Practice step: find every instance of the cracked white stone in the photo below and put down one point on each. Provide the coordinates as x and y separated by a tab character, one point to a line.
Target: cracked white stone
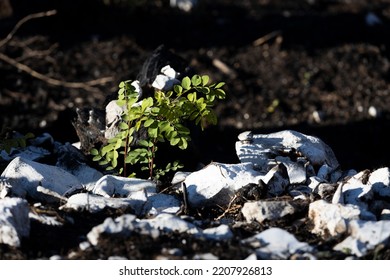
267	210
22	177
276	243
217	182
364	236
95	203
110	185
260	149
126	224
14	221
332	219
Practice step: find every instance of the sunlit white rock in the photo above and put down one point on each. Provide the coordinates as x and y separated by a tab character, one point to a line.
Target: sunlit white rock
110	185
95	203
355	191
276	243
161	203
167	79
221	232
122	225
267	210
364	236
380	181
277	180
126	224
217	182
22	177
260	149
332	219
14	221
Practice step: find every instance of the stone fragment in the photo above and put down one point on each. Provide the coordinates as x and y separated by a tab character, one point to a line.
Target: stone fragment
110	185
276	243
217	182
364	236
22	177
332	219
95	203
73	161
161	203
14	221
260	149
380	181
221	232
122	225
267	210
276	180
126	224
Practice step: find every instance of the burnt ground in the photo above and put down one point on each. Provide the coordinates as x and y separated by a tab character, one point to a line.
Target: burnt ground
313	66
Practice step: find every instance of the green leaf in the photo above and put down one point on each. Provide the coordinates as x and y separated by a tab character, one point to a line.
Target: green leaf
143	143
219	85
123	126
174	141
178	89
153	132
183	143
96	158
205	80
94	152
186	83
146	103
196	80
148	122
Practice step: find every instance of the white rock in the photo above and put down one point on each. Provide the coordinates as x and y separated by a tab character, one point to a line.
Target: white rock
72	160
110	185
161	203
385	214
266	210
296	170
217	182
380	181
205	256
332	219
29	152
123	225
277	180
185	5
364	236
167	223
126	224
95	203
221	232
167	79
261	148
354	191
14	221
22	177
276	243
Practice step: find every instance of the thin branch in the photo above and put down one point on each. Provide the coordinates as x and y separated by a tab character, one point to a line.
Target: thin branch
23	21
81	85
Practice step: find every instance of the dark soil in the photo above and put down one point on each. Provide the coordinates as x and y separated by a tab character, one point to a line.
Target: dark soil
319	72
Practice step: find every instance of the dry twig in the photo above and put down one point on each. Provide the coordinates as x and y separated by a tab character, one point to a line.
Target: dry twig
89	85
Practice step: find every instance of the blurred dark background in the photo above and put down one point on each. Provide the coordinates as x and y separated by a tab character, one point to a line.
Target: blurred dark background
319	67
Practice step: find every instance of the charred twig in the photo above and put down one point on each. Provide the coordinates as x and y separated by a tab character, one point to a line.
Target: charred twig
88	85
83	85
23	21
260	41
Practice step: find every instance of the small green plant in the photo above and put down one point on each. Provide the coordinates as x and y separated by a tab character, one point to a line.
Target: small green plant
9	140
161	118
